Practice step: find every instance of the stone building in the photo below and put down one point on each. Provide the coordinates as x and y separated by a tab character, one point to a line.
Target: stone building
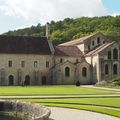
34	61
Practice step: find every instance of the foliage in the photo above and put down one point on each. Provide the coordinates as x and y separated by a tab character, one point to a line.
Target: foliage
68	29
116	81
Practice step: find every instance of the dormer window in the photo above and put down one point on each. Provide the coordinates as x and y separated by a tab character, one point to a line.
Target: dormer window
98	40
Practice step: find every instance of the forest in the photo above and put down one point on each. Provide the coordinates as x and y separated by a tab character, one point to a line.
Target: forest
70	29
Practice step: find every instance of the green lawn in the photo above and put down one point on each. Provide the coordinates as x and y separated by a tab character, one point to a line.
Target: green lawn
84	104
110	102
91	103
52	90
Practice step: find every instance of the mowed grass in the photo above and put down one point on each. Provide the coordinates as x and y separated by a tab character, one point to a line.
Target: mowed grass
52	90
100	105
92	103
108	102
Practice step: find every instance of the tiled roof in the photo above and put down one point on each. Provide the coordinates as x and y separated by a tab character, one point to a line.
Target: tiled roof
77	41
99	49
24	45
72	51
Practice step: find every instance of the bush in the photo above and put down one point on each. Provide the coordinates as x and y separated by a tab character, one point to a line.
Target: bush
116	82
77	83
101	83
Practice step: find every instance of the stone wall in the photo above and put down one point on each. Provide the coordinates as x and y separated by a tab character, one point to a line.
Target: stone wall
33	110
19	72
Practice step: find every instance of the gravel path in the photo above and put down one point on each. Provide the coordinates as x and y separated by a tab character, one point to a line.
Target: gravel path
72	114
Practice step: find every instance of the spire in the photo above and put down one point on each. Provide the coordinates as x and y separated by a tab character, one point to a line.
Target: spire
47	30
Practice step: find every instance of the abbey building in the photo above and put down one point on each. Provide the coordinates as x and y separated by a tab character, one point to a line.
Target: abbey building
34	61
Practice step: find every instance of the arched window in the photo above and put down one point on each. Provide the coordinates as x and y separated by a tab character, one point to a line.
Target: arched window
84	71
115	54
109	55
115	71
106	69
67	71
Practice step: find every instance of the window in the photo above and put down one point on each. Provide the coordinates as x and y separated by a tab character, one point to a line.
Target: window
10	63
88	47
98	40
109	55
115	54
67	72
47	64
115	69
93	43
61	60
106	69
22	63
84	71
35	64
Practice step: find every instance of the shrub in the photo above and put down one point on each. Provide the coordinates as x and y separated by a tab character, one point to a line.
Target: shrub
78	83
102	83
116	81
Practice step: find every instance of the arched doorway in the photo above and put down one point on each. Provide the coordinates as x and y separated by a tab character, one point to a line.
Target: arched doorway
11	80
27	80
44	80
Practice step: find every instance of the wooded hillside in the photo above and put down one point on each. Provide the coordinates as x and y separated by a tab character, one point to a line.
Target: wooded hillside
70	29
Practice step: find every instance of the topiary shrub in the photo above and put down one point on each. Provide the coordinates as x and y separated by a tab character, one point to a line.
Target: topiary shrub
78	83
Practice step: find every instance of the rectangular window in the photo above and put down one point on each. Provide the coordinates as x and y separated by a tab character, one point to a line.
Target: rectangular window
98	40
47	64
93	43
10	63
35	64
22	63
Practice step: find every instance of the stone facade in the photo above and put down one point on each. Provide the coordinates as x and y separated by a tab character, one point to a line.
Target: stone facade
89	60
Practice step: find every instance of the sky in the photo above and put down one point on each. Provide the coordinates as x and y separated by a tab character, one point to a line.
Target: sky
17	14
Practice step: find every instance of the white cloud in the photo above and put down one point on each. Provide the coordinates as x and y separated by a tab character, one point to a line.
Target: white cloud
115	14
47	10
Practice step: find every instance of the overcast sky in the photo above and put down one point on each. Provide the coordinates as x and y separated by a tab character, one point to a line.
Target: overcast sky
16	14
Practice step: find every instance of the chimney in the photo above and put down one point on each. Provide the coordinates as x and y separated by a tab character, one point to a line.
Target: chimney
48	37
47	31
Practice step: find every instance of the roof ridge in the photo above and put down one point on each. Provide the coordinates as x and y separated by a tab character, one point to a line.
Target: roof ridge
78	40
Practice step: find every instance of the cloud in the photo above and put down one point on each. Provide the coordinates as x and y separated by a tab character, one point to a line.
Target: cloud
115	14
47	10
